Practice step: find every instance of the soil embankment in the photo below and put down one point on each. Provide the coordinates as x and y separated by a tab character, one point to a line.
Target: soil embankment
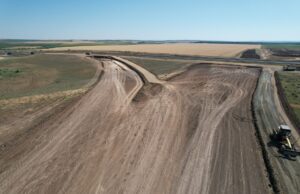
250	54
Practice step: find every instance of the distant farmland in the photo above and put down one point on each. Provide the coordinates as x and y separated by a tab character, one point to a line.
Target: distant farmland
290	46
224	50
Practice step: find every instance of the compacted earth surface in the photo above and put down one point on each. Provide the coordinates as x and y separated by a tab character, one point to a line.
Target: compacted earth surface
270	115
190	134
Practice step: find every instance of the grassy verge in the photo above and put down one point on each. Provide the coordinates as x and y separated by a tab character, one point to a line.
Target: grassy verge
297	111
43	74
158	66
290	82
9	72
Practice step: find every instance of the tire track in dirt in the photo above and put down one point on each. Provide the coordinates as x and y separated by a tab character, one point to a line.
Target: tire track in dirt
179	137
219	154
270	115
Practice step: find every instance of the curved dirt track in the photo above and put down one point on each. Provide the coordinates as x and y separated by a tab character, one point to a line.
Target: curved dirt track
193	134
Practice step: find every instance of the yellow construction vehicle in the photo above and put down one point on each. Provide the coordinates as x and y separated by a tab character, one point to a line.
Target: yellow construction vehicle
281	137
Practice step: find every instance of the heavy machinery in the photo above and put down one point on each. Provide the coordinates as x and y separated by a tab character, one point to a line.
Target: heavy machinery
281	137
289	68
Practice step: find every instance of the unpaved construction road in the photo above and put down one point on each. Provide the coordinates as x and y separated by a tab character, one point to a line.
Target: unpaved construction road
270	115
191	134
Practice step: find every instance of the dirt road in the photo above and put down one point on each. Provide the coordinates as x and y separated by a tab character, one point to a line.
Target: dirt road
192	134
269	115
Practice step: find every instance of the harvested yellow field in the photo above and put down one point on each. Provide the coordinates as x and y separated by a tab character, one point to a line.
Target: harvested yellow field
224	50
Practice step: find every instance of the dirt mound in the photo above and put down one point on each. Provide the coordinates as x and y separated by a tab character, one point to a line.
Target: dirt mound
250	54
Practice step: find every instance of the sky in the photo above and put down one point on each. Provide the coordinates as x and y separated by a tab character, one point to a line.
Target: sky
226	20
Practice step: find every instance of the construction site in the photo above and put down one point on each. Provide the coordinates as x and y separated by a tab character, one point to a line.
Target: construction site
149	97
205	128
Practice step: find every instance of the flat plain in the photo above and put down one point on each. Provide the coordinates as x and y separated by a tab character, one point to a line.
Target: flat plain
203	49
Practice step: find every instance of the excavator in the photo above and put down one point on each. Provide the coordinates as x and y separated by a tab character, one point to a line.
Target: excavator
281	137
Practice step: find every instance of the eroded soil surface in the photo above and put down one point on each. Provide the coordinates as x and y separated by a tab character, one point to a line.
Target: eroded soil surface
191	134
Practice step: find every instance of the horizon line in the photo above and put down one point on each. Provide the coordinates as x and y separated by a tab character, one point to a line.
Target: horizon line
158	40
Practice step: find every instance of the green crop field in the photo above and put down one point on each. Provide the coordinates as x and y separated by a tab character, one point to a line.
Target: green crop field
36	44
42	74
9	45
8	72
294	46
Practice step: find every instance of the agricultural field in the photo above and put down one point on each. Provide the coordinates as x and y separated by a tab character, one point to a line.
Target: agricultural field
291	84
282	51
44	44
294	46
200	49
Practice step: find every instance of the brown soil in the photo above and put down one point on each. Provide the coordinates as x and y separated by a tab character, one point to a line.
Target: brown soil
192	134
270	114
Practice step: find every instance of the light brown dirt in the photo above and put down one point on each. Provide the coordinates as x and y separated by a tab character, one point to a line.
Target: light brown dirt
17	115
270	114
224	50
193	134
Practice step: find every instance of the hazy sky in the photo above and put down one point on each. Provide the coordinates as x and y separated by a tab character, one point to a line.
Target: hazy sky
237	20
